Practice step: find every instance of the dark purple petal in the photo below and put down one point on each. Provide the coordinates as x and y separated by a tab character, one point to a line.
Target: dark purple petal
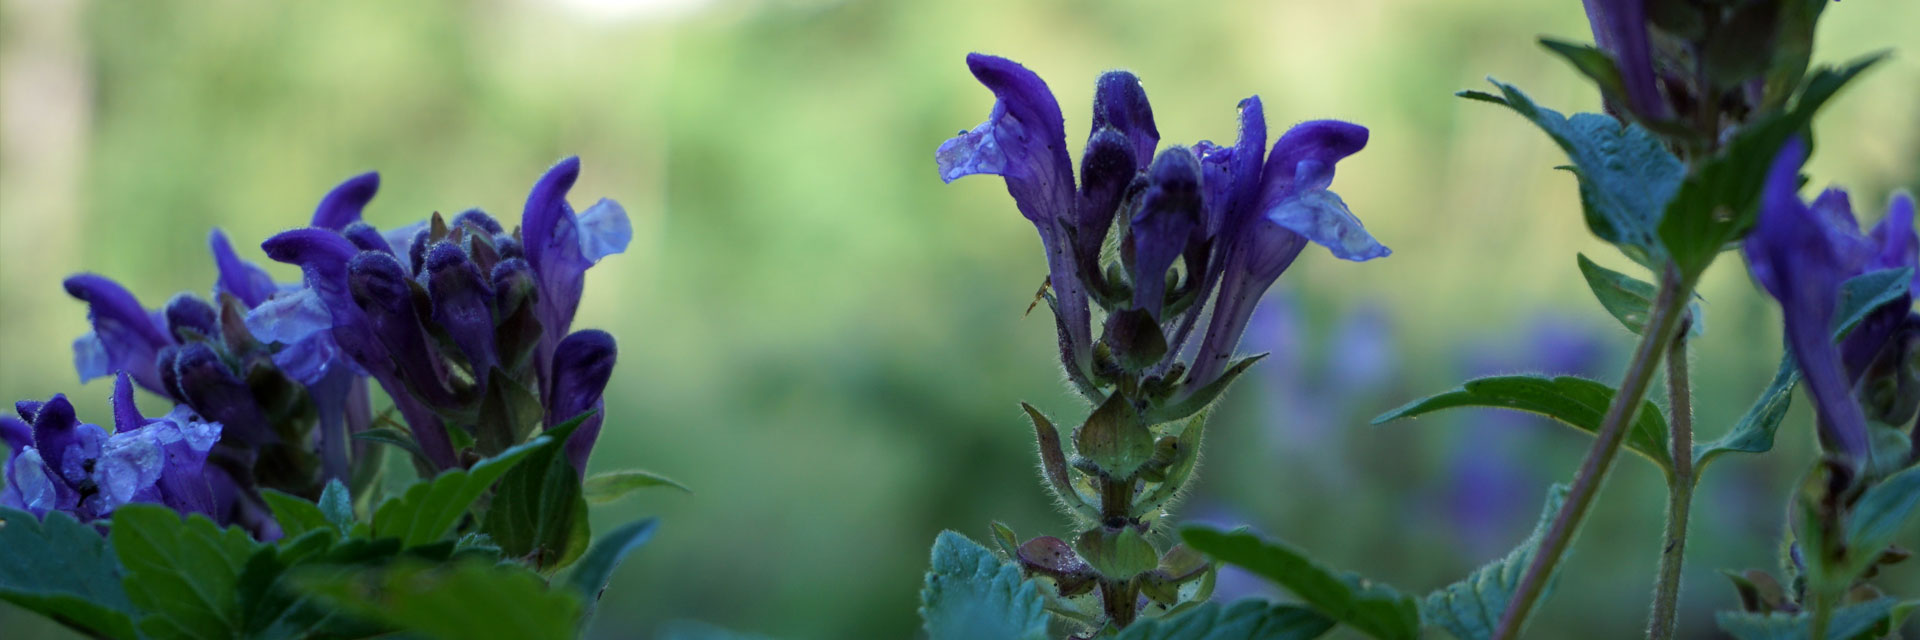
126	416
547	214
581	367
381	290
1120	103
1024	140
1893	239
552	237
366	238
323	256
215	392
1106	168
1793	253
15	433
1620	29
127	331
1170	211
64	442
478	220
240	278
342	205
1294	191
1232	174
462	305
189	318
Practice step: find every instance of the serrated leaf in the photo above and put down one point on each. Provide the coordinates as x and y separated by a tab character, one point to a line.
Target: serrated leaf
1626	175
1246	619
428	510
538	512
63	570
1718	202
1471	608
1859	297
183	573
595	569
1848	623
1370	607
1576	402
1629	299
295	515
970	594
271	608
439	602
610	486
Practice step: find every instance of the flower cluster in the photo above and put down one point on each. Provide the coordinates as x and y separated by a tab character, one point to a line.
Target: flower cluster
1802	254
464	324
1185	224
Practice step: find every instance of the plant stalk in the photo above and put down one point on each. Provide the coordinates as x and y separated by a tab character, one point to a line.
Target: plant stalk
1669	304
1673	552
1119	598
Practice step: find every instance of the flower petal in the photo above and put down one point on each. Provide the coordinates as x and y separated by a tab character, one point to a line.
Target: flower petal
582	364
240	278
1120	102
604	230
290	318
1170	210
1232	174
1024	140
342	206
127	331
1620	29
1323	217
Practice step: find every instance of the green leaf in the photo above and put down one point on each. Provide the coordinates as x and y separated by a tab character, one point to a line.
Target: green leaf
1186	456
183	573
337	505
440	602
1115	438
271	608
1370	607
1577	402
1629	299
1754	432
1849	622
1203	397
1626	174
696	630
1718	202
590	577
1859	296
295	515
1881	512
427	512
63	570
397	438
969	594
1471	608
1246	619
610	486
538	513
1593	63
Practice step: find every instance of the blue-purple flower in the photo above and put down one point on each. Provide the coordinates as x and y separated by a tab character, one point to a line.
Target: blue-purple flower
1802	254
59	463
1189	218
464	323
1620	30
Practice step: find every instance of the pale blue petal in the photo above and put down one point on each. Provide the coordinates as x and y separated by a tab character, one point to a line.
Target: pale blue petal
129	463
974	152
401	239
289	318
90	357
1322	217
604	230
35	484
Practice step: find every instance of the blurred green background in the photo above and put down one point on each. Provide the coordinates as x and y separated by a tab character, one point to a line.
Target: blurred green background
827	344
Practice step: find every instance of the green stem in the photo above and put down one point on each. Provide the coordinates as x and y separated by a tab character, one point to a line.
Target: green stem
1822	617
1668	306
1119	598
1666	598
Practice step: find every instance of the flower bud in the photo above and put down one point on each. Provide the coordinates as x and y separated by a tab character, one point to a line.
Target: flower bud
189	318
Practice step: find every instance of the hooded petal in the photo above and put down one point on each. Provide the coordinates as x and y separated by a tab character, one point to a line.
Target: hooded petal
462	305
1120	103
239	278
1232	174
581	367
128	334
1794	254
1024	140
1106	169
1294	191
342	206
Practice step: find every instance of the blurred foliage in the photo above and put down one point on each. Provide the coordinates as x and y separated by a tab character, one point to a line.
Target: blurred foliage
827	345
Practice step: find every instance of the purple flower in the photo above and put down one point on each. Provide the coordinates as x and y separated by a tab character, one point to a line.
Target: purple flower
61	464
1801	254
458	320
1229	215
1620	30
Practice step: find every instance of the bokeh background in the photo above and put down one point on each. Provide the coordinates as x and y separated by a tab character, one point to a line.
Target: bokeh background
827	344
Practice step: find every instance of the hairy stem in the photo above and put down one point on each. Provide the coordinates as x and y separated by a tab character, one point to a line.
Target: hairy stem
1660	329
1119	598
1673	551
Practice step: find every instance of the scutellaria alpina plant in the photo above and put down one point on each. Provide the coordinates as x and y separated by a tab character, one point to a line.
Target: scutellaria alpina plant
1163	256
261	491
1698	151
